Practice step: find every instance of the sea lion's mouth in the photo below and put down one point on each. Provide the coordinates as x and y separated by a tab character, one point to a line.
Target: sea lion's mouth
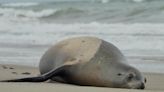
142	86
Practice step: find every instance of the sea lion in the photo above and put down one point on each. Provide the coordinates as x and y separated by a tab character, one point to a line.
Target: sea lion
88	61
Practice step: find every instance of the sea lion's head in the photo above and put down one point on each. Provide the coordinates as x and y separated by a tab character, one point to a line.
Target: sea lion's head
125	76
129	77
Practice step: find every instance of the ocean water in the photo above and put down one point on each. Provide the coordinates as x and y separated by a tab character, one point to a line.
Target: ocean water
136	27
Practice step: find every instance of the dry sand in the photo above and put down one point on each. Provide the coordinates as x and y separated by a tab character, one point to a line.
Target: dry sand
155	82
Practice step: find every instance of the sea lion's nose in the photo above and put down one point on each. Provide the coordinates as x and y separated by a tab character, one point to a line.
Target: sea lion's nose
142	86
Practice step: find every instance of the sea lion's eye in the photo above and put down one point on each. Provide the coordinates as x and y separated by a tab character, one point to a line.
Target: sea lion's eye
119	74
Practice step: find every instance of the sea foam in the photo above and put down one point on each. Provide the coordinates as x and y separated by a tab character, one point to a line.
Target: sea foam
11	12
27	4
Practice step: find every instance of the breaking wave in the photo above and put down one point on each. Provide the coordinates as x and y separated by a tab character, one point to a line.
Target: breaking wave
11	12
20	4
37	14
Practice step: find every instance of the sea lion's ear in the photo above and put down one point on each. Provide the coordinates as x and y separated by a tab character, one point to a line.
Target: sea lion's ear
130	76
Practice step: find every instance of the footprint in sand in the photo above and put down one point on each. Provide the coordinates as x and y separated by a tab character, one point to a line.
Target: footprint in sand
4	67
11	68
14	73
26	73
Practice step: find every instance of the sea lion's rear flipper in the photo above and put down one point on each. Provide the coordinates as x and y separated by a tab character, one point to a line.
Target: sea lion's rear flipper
54	72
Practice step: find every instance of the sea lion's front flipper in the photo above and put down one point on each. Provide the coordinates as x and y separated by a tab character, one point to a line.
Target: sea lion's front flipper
54	72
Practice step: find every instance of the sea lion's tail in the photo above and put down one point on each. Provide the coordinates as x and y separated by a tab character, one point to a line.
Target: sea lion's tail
54	72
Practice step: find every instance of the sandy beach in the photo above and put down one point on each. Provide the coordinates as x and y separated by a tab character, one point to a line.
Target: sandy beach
155	82
29	27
